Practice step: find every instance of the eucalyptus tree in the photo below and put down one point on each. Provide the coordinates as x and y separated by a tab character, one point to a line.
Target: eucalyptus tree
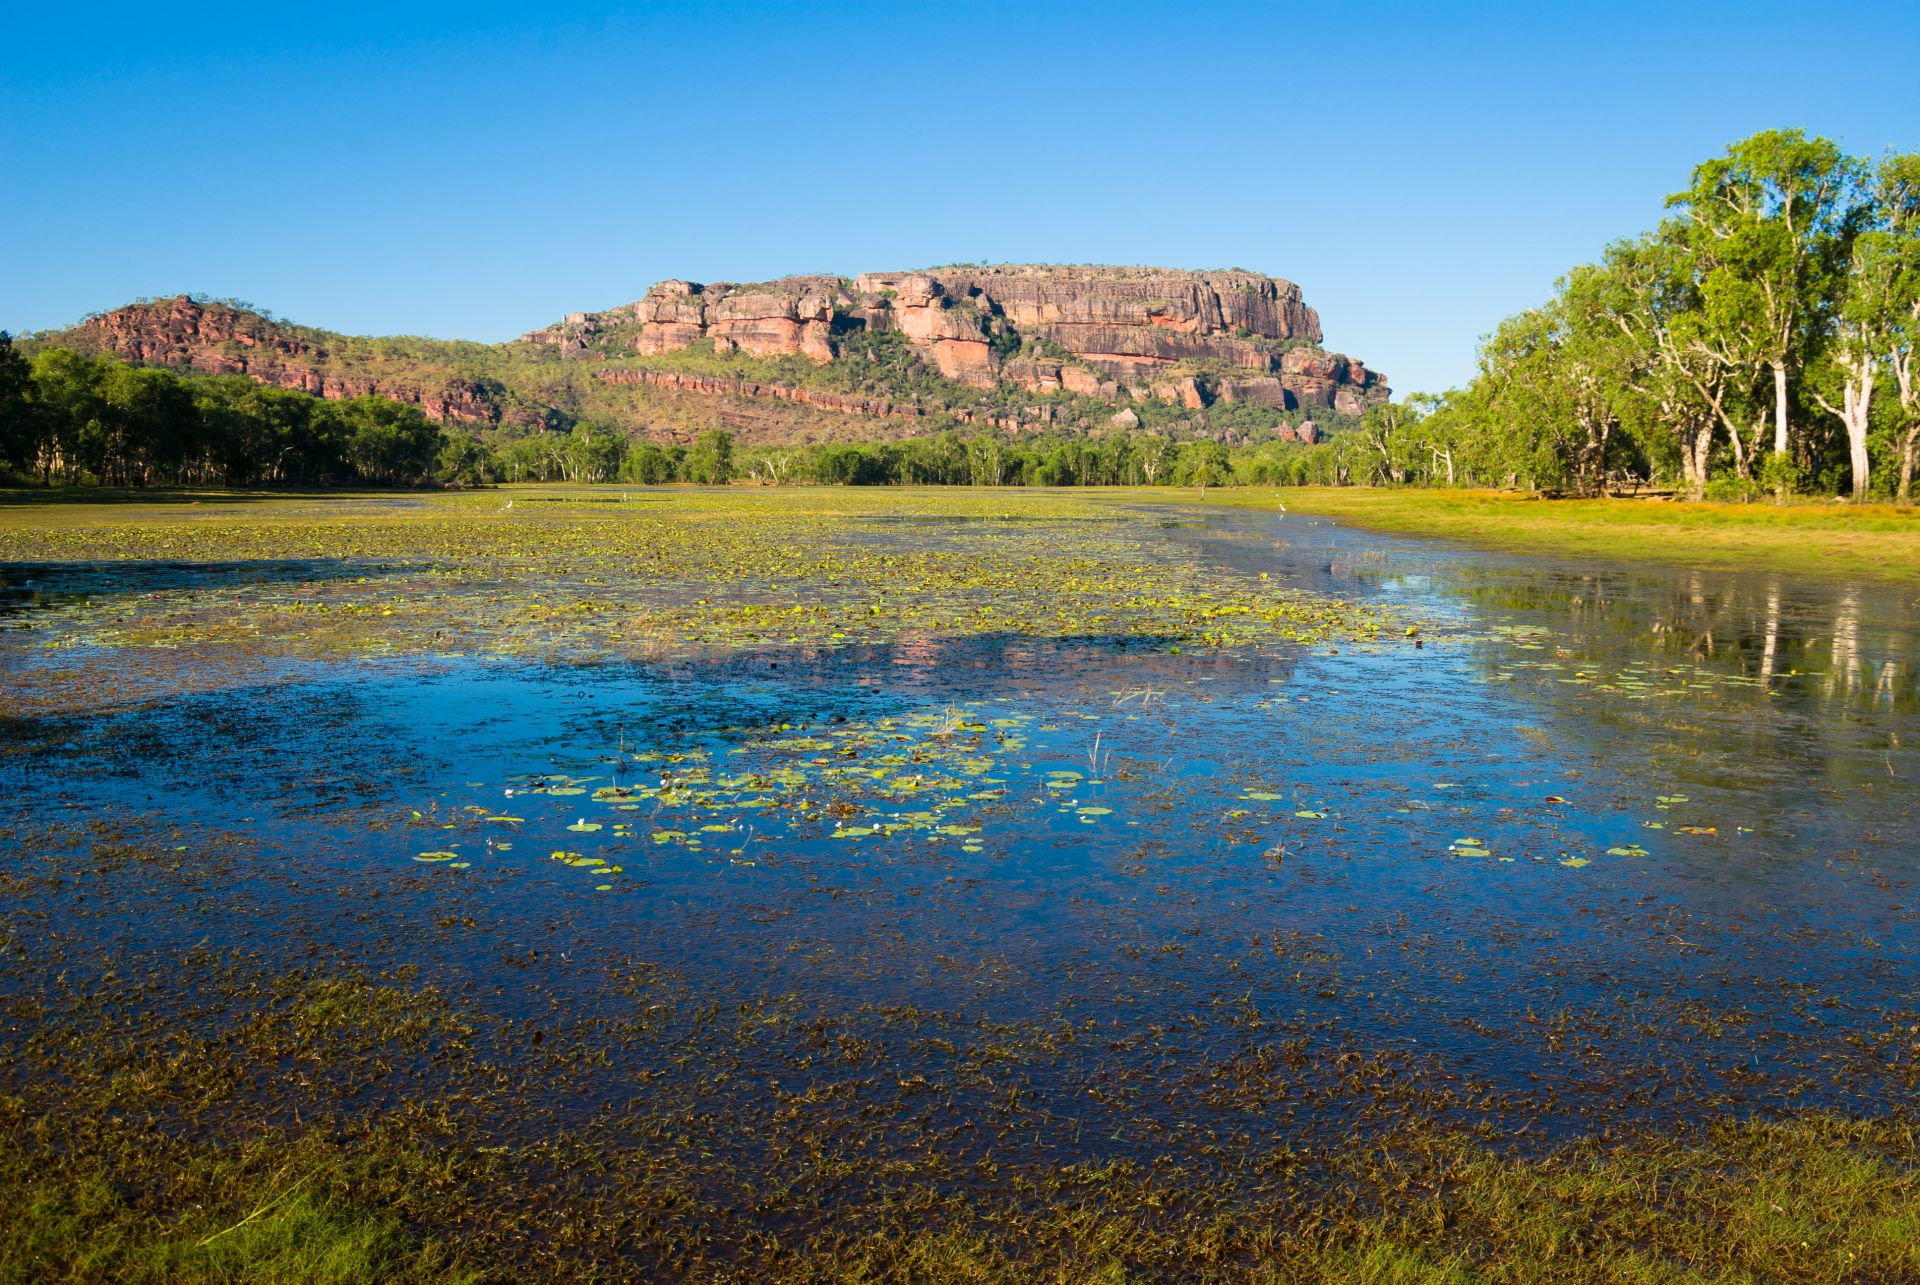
1154	457
1768	227
1647	293
710	461
1430	440
1897	190
1877	298
1386	432
1205	464
17	436
1551	377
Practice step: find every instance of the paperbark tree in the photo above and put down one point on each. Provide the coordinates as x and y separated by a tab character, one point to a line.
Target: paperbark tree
1769	224
1646	293
1897	189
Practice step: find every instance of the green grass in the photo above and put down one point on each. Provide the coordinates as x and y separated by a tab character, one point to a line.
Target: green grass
224	1215
1816	539
1811	1199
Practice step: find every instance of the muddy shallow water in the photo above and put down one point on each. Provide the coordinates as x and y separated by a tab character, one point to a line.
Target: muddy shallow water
1610	845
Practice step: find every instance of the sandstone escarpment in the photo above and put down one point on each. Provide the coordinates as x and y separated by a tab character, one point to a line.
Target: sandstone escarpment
1190	338
218	339
843	403
791	316
1230	355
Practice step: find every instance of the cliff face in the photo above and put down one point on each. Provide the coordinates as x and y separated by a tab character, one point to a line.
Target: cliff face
218	339
1185	337
1169	345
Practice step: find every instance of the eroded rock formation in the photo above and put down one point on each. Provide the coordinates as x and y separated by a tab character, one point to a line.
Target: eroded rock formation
1183	337
1191	340
219	339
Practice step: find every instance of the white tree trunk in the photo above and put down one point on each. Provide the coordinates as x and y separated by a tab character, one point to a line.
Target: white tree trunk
1855	412
1780	408
1901	359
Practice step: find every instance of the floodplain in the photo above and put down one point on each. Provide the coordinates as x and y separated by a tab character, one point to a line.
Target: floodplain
589	883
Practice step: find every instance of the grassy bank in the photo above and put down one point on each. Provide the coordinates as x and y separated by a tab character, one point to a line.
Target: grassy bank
1819	539
98	1196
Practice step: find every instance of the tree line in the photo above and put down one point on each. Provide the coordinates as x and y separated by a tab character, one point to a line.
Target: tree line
590	453
1759	339
70	419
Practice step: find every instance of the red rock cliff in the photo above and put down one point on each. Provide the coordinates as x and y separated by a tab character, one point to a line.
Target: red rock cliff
218	339
1117	330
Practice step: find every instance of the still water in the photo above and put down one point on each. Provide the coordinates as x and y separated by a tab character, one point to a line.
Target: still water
1611	844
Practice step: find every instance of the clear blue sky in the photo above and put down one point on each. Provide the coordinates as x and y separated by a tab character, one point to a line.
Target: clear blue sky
473	171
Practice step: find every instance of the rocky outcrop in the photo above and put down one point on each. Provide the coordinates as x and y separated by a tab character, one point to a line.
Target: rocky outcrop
1127	321
1039	374
1030	419
220	339
1158	332
844	403
791	316
1116	336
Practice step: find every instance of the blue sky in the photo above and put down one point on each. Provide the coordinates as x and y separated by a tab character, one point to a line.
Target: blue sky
465	171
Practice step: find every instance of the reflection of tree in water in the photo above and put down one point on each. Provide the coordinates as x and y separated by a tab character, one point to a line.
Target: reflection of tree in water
1838	646
1734	680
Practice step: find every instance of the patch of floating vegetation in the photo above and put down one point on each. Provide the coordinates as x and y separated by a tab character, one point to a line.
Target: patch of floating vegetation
960	777
927	776
466	575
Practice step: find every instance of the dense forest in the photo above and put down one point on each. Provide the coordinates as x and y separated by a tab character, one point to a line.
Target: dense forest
1759	340
70	419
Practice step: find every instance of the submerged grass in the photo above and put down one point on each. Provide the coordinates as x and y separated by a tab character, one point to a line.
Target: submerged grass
1815	539
588	573
280	1108
132	1190
215	1114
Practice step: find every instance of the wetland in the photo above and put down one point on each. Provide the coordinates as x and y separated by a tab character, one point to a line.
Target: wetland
614	882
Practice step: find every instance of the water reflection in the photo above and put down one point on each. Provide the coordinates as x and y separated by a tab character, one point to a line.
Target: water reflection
1691	790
